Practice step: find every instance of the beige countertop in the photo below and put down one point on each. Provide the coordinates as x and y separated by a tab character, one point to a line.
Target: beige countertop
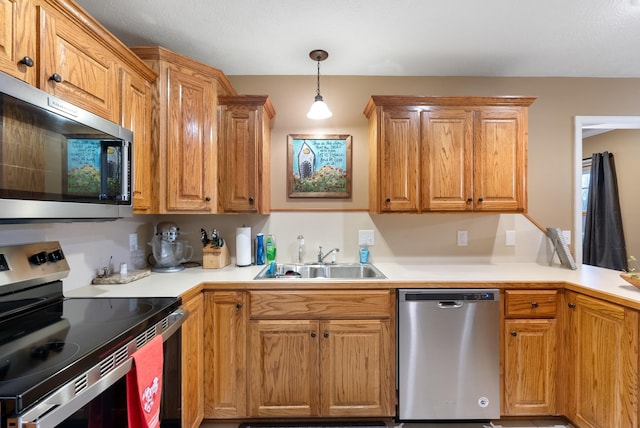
598	282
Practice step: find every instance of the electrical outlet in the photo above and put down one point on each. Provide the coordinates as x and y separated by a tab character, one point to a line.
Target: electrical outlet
133	241
463	238
366	237
510	238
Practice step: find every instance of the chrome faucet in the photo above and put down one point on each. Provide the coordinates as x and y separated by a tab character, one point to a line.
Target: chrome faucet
321	256
300	249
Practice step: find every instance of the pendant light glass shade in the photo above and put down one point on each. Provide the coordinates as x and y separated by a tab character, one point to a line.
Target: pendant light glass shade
319	109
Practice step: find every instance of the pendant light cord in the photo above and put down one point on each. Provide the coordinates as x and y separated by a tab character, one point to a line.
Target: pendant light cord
318	89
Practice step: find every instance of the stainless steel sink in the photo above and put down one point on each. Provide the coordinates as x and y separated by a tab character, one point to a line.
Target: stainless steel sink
323	271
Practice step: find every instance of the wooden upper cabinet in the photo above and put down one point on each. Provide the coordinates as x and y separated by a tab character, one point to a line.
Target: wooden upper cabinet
76	66
399	161
18	39
184	131
244	148
135	115
500	159
447	159
447	153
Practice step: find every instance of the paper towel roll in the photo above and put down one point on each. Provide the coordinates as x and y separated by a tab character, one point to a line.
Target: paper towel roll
243	246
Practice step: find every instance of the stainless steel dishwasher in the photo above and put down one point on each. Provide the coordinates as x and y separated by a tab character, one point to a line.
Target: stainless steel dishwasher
448	354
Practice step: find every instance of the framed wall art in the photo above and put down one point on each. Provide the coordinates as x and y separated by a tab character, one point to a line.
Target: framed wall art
319	166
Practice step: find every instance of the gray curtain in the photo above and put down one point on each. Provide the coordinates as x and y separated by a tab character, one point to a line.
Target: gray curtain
603	244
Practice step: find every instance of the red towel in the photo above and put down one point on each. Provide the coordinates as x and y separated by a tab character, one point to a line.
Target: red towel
144	386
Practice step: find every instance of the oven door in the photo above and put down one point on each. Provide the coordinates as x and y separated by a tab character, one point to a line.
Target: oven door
102	403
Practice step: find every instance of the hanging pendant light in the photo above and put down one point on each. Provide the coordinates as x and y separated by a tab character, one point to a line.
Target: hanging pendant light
319	110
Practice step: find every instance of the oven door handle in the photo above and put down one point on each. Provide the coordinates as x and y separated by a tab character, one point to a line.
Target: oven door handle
64	402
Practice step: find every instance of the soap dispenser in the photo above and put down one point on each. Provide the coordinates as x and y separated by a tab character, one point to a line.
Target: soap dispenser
364	254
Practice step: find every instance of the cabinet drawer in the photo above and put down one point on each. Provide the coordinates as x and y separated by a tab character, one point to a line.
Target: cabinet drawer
321	304
530	304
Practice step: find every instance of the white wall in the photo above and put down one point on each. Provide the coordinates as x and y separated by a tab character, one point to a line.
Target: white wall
427	238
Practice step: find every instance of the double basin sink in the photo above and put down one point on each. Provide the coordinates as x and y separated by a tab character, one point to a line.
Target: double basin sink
335	271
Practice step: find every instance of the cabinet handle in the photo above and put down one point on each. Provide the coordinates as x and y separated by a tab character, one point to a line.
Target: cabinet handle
534	304
251	200
27	61
313	334
469	200
513	333
572	305
326	335
480	200
56	78
207	198
239	305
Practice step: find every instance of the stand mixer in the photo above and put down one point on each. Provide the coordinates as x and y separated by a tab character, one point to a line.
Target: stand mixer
168	252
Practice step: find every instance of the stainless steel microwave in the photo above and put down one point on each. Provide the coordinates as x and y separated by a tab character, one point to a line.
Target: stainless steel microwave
59	162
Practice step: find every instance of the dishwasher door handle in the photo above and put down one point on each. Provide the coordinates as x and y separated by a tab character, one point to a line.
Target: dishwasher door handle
450	304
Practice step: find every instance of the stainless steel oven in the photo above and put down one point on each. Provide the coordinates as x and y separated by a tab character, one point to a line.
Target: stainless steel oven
63	361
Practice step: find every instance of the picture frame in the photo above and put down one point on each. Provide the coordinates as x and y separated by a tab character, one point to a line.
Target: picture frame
319	166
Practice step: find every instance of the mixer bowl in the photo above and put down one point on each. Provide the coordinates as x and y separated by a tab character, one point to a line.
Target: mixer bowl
169	255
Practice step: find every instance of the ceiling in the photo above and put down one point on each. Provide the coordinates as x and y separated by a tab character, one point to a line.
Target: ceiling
559	38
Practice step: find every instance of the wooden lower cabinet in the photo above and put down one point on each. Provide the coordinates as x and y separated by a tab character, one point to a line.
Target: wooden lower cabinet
328	368
600	370
299	353
530	367
530	337
225	371
192	363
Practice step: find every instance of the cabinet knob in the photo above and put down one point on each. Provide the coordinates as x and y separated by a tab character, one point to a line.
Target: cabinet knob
469	200
251	199
313	334
207	198
534	304
480	200
572	305
27	60
387	200
326	335
239	305
513	333
56	78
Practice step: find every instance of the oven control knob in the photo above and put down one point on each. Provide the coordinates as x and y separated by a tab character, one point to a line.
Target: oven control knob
39	258
55	256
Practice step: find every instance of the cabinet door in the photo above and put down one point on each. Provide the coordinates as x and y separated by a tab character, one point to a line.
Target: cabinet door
602	363
238	177
284	368
76	67
399	160
447	160
356	368
500	170
18	39
225	372
135	110
191	142
530	367
192	364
